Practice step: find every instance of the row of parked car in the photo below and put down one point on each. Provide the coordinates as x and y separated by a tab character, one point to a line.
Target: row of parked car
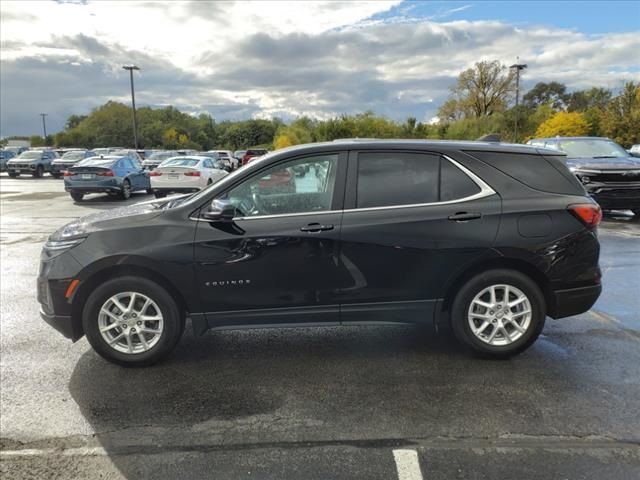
120	172
609	173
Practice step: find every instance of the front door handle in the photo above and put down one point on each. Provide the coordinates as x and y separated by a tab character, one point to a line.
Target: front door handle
465	216
315	227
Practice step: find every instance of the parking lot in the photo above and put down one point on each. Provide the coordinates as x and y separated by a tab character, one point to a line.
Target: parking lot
343	402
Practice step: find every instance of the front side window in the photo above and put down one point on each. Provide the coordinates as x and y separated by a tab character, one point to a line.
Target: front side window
397	178
298	186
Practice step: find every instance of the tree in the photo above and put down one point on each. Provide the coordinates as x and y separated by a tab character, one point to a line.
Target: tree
552	93
480	91
621	119
582	100
566	124
37	141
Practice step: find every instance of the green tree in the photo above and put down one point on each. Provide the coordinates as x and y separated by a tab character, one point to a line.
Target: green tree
480	91
552	93
621	119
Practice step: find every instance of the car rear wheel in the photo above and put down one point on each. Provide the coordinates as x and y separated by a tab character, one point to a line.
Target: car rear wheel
56	175
125	193
77	197
160	194
39	172
132	321
499	313
14	175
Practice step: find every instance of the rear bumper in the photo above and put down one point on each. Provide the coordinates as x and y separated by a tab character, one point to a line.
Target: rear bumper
92	186
175	190
574	301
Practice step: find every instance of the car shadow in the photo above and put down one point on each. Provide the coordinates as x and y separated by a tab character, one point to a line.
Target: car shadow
272	386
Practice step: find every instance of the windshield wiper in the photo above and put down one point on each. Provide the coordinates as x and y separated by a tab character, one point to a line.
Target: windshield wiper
606	156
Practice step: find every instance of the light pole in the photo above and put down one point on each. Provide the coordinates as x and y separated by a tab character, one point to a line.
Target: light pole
44	127
131	68
518	67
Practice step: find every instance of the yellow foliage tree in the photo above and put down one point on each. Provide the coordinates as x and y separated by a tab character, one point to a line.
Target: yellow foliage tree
282	141
565	124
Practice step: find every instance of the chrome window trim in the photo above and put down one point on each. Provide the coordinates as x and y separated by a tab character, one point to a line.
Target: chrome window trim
485	191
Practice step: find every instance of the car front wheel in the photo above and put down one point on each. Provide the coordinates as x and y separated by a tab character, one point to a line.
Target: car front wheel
77	197
132	321
499	313
39	172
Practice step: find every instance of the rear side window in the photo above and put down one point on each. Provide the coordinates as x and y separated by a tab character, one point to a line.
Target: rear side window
397	178
534	171
403	178
454	183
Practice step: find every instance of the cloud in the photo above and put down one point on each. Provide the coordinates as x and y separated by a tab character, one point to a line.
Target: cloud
255	59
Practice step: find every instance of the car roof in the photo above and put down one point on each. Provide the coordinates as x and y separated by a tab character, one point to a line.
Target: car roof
570	138
395	144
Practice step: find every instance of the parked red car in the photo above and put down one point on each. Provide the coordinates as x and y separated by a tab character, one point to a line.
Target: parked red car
254	152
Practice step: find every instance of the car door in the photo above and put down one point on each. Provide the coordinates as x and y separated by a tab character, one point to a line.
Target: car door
412	220
277	262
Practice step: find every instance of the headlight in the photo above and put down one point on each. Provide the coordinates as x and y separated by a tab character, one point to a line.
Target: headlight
65	238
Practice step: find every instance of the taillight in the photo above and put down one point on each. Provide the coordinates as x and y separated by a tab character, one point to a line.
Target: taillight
154	173
67	173
108	173
192	174
590	214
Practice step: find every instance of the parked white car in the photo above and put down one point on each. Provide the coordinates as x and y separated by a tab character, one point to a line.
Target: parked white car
184	174
227	157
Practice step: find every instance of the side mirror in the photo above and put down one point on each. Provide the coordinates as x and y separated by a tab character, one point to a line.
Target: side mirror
220	211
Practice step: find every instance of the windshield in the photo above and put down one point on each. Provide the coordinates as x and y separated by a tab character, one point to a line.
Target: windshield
591	148
30	155
180	162
77	155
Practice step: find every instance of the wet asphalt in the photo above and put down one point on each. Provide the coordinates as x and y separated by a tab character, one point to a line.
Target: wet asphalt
314	403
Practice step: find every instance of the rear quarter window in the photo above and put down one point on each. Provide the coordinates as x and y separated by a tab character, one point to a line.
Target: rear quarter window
547	174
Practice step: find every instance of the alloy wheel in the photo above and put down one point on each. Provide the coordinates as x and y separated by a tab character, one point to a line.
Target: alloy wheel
130	322
499	315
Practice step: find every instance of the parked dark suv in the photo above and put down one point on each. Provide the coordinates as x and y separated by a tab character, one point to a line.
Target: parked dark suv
488	238
609	173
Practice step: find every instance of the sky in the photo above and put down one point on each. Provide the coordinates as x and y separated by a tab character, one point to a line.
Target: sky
240	60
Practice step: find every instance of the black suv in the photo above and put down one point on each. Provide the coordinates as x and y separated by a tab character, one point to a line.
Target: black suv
487	238
609	173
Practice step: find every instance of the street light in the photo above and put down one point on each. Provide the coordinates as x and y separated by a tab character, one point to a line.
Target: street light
518	67
131	68
44	127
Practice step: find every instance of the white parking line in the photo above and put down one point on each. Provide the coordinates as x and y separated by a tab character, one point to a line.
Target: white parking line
407	465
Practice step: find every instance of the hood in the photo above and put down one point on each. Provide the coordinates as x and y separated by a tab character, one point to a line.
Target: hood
623	163
102	220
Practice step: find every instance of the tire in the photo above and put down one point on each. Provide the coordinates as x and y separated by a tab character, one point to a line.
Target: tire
162	306
14	175
39	173
125	193
149	191
507	340
77	197
636	213
56	175
160	194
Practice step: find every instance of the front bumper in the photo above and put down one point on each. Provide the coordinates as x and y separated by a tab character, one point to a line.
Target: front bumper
64	325
60	167
612	196
574	301
21	168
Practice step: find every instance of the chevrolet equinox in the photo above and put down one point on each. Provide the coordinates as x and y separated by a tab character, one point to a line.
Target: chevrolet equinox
487	238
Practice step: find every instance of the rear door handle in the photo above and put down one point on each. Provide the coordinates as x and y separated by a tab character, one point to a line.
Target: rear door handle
465	216
315	227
